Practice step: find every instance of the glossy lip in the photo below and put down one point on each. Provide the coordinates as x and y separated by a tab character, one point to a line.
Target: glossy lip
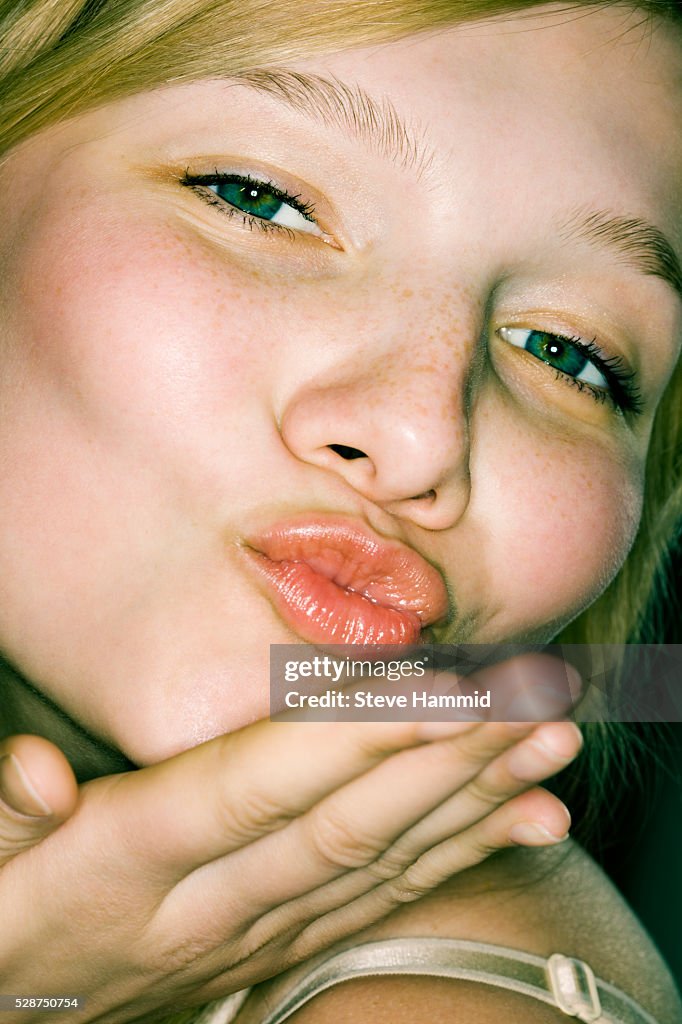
334	581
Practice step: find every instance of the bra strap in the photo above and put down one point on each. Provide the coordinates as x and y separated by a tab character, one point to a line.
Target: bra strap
564	982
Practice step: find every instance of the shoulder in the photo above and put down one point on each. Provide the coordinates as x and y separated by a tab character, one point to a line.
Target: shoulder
538	901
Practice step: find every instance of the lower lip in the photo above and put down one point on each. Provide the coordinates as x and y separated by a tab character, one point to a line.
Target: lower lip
322	612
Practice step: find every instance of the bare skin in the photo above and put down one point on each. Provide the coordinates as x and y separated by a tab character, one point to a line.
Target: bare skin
540	901
265	869
186	367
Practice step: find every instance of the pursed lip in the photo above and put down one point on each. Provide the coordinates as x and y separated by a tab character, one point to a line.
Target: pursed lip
335	580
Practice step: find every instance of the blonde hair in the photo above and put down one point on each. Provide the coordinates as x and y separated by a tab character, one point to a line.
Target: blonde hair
59	58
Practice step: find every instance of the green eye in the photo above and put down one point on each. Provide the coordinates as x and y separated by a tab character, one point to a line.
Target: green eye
260	202
561	353
252	198
580	362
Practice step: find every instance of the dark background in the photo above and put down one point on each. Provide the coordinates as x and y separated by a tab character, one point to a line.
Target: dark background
645	861
645	858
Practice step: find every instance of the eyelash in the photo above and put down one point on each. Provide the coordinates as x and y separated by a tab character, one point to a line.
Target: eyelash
623	393
196	181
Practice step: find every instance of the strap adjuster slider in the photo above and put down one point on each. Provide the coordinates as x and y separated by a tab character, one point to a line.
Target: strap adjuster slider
574	987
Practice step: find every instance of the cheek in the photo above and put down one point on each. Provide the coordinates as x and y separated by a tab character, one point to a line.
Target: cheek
123	320
564	516
130	397
142	355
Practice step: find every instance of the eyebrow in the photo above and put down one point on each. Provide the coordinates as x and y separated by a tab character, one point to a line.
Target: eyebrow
375	122
635	242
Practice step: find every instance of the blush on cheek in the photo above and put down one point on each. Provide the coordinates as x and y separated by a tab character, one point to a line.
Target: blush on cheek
571	513
135	332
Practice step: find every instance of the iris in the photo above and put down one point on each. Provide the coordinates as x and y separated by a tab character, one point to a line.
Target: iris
251	198
556	351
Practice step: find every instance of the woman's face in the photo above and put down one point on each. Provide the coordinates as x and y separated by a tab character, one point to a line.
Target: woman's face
178	377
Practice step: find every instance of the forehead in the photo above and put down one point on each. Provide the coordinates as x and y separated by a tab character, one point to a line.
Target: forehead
519	121
613	55
578	97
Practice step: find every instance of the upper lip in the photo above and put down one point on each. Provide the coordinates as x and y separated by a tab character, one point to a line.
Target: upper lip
387	572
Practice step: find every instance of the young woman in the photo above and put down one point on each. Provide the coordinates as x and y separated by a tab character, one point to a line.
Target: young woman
390	285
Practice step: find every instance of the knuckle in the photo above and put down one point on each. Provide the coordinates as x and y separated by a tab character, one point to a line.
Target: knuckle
252	815
474	750
374	741
180	958
401	891
389	865
339	844
447	756
14	841
414	883
494	738
481	846
369	744
484	791
157	954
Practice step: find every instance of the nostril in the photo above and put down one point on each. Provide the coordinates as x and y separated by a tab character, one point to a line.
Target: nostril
427	494
346	452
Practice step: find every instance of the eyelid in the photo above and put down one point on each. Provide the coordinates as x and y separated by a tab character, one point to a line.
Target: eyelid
571	308
571	326
623	390
296	201
292	213
594	364
282	183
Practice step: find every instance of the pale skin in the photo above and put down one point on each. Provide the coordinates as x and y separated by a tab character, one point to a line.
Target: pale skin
173	377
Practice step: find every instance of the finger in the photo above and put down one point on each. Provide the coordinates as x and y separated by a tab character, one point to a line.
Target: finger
530	687
535	817
318	866
357	900
38	791
548	749
350	828
226	793
355	825
535	807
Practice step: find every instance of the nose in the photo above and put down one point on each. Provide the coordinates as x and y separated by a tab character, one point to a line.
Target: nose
395	430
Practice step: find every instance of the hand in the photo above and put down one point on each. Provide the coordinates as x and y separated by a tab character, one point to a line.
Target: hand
181	882
537	687
37	793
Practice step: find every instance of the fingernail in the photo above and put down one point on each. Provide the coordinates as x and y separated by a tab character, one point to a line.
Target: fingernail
17	790
558	739
529	833
547	751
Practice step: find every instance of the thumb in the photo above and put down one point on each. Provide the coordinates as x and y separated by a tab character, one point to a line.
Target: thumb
38	791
